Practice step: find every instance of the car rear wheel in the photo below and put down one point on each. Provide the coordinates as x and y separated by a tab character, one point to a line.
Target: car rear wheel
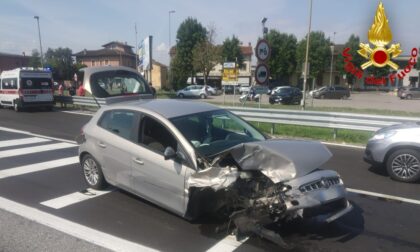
181	95
409	97
404	165
93	173
322	97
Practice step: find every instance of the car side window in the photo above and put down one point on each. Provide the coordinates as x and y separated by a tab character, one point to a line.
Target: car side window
156	136
120	122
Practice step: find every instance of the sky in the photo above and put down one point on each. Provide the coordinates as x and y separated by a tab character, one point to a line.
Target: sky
89	24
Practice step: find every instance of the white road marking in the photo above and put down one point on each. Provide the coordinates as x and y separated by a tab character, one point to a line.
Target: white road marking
36	149
78	113
16	171
384	196
73	198
345	145
37	135
229	243
71	228
16	142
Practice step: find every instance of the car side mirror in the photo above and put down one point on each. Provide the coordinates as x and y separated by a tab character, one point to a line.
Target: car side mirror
169	153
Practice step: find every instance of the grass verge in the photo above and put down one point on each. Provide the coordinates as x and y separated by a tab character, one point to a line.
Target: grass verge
325	134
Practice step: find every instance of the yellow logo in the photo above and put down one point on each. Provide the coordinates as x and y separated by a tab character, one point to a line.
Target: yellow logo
380	35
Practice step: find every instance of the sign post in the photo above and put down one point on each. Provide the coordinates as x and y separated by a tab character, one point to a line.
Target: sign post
262	72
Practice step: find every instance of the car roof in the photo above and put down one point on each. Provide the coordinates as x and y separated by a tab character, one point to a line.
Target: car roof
168	108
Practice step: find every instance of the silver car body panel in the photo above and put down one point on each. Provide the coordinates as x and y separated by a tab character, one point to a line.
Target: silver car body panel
407	134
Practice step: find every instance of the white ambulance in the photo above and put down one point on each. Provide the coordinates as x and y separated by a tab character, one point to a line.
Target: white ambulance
26	87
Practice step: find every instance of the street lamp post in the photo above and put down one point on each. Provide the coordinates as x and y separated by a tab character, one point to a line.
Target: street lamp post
306	57
332	59
169	44
40	45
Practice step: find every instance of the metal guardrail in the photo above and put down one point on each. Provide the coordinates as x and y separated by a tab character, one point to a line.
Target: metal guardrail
331	120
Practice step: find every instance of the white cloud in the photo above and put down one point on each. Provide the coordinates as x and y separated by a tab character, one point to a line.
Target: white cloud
162	47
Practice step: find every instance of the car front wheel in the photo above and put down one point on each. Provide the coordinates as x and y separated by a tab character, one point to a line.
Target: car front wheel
93	173
181	95
404	165
203	96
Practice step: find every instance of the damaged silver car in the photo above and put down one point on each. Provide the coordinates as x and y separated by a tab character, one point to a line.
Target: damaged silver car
196	159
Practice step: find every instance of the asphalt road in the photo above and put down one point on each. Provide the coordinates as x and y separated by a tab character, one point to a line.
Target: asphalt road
374	225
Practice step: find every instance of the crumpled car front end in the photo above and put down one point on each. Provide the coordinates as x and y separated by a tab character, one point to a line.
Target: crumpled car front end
260	183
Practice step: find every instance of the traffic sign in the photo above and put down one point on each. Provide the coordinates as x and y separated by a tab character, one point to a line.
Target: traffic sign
260	89
261	73
263	50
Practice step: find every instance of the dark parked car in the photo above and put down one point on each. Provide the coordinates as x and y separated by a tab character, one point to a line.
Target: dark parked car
333	92
409	93
229	89
286	95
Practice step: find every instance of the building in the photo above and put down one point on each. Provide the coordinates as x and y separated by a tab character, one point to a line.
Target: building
11	61
214	79
113	54
160	76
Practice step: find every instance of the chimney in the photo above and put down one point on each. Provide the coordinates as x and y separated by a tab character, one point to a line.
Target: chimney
84	51
249	44
23	53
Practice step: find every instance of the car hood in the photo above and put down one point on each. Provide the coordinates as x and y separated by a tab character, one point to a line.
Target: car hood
278	160
408	125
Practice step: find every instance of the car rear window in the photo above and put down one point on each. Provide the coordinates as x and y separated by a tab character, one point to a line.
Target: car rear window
116	83
36	83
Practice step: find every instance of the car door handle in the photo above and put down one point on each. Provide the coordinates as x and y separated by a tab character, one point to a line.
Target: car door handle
102	145
138	161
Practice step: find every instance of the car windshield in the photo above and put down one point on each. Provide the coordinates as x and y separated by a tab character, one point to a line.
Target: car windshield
115	83
213	132
284	91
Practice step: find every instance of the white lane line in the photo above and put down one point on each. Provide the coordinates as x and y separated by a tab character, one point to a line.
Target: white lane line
16	171
384	196
78	113
35	149
229	243
16	142
345	145
73	198
71	228
37	135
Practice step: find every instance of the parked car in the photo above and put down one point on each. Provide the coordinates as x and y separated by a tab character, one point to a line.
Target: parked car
211	90
194	158
409	93
192	91
230	89
286	95
333	92
244	89
397	148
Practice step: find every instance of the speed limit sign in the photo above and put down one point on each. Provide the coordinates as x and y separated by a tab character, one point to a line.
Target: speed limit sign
263	50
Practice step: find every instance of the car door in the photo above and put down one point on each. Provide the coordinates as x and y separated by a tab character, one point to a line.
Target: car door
159	180
117	138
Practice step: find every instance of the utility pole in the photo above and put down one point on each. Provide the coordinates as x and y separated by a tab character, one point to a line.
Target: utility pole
306	57
137	49
40	44
169	45
332	58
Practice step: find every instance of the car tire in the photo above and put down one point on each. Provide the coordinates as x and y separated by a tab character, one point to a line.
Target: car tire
92	172
203	96
404	165
409	97
322	97
181	95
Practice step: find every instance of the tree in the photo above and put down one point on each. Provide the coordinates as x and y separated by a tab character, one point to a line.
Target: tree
357	60
282	62
206	54
35	60
319	55
61	62
231	51
189	34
